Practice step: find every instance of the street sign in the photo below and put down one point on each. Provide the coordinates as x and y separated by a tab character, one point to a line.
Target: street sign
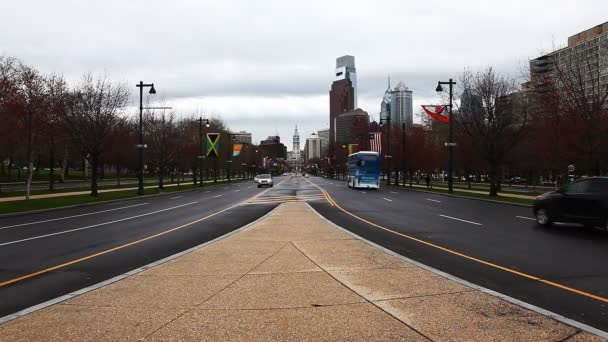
450	144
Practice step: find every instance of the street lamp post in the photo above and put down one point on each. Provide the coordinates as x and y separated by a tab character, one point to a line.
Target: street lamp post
202	149
403	152
450	144
388	144
141	146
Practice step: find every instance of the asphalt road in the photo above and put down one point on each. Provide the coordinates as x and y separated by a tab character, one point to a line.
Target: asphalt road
35	248
503	240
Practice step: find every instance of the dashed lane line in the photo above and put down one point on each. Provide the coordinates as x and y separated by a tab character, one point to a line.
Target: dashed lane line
387	199
526	218
94	225
461	220
433	200
69	217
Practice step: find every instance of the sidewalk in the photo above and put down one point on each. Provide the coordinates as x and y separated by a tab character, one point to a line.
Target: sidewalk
77	193
291	276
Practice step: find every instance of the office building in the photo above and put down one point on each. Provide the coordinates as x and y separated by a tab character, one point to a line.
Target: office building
242	137
323	134
401	106
312	148
352	128
585	57
342	96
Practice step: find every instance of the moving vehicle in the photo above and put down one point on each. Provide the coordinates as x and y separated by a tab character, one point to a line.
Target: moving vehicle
264	180
363	170
584	201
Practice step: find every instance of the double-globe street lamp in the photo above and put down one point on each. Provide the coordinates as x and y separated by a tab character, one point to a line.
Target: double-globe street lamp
141	146
450	144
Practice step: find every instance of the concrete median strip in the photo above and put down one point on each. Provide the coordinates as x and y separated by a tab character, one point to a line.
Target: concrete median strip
289	276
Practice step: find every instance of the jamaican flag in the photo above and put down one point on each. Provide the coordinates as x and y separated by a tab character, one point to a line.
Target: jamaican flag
213	145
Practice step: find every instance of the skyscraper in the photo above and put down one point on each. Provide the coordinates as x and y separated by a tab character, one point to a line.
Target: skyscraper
401	106
294	159
342	96
385	105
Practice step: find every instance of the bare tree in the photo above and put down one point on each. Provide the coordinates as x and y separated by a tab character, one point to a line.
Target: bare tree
9	107
162	133
499	121
57	92
33	102
582	94
94	109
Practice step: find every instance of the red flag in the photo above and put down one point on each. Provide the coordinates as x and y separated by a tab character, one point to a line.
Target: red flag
435	112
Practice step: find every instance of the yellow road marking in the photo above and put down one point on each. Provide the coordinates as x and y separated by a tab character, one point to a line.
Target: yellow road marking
91	256
487	263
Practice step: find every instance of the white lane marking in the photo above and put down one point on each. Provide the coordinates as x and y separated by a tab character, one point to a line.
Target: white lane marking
208	191
433	200
95	225
457	219
387	199
526	218
363	192
249	187
68	217
217	196
393	192
176	197
237	190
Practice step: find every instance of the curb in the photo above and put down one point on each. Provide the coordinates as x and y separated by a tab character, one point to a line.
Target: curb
21	213
77	293
539	310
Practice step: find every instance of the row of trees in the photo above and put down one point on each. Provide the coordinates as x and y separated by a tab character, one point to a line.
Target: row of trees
46	121
503	130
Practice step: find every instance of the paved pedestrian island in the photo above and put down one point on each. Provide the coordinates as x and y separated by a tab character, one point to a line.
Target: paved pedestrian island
291	276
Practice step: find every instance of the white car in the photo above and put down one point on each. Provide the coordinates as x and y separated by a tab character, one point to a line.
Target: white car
255	179
264	180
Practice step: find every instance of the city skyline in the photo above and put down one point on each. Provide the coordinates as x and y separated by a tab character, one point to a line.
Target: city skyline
223	73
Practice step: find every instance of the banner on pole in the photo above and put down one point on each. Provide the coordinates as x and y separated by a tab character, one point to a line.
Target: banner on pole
435	112
213	145
353	148
236	150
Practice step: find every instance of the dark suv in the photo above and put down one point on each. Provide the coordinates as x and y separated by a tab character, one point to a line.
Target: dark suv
584	201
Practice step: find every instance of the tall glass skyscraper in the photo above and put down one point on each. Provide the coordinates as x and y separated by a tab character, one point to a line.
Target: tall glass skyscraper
402	110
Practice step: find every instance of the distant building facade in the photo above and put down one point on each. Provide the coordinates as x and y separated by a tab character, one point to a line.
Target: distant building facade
323	134
294	158
273	148
312	149
242	137
352	128
586	54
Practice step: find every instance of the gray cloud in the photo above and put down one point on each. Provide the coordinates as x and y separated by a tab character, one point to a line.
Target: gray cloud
260	52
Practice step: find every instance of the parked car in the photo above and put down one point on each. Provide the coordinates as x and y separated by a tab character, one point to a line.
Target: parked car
584	201
264	180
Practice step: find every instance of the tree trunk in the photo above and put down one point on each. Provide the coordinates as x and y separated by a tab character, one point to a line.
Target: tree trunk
493	180
64	163
10	168
94	171
118	171
52	165
28	187
161	173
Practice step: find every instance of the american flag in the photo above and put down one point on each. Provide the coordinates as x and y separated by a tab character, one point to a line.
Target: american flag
375	142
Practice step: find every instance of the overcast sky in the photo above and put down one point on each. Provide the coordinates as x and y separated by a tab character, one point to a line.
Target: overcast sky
265	66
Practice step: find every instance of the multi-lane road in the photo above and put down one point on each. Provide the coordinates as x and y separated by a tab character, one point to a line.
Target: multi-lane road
46	255
497	246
